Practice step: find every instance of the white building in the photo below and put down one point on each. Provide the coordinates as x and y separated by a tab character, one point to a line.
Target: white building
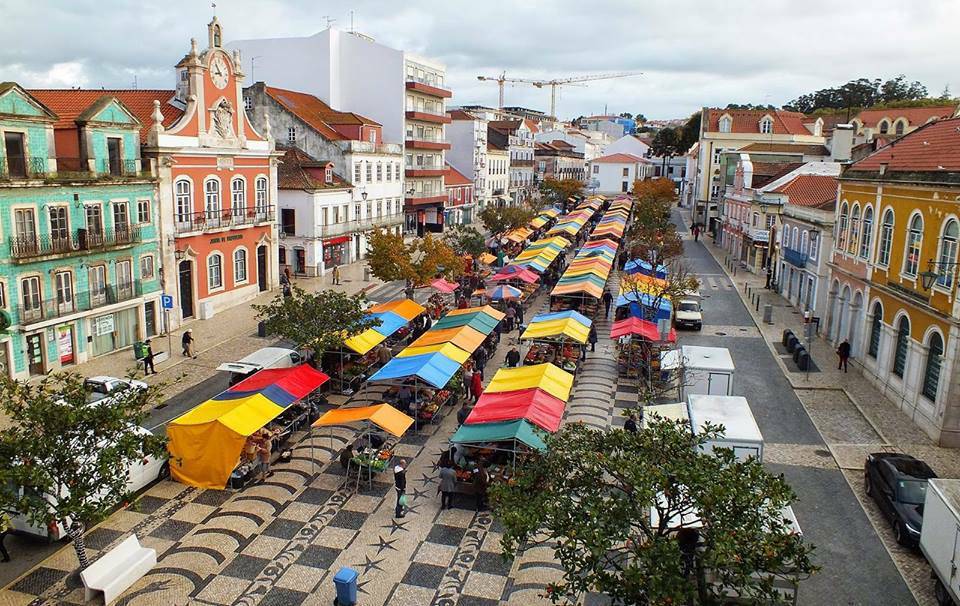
615	173
467	137
497	178
591	144
518	136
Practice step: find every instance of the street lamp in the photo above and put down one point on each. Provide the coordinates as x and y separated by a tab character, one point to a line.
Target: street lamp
927	278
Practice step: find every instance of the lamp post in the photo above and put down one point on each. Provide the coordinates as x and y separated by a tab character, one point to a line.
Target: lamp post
929	277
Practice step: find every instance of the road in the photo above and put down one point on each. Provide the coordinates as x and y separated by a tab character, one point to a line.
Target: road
855	566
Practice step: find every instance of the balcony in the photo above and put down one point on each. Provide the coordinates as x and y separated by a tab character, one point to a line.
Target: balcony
521	163
794	257
81	241
424	116
70	169
428	89
73	303
224	219
424	171
433	144
352	227
424	199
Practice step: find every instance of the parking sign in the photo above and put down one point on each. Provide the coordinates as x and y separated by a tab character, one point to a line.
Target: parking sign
166	301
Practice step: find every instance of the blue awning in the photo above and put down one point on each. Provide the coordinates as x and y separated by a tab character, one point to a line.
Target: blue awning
389	322
640	266
433	368
562	315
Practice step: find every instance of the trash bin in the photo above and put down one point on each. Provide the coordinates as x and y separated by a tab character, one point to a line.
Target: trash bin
366	274
800	350
787	333
261	328
803	360
792	342
345	582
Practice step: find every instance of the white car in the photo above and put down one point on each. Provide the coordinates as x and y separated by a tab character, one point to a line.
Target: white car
688	314
100	388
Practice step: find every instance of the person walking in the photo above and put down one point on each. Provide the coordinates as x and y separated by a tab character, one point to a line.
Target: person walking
266	450
476	386
4	531
336	275
592	337
843	352
148	360
696	232
187	342
480	482
448	484
400	483
513	358
518	309
607	300
511	313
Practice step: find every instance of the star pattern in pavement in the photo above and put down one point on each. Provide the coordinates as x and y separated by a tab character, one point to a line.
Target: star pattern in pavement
369	565
360	585
382	544
419	493
396	525
427	479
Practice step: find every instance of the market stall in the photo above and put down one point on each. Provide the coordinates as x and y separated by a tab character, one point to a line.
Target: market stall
556	338
643	296
639	347
519	277
634	266
208	445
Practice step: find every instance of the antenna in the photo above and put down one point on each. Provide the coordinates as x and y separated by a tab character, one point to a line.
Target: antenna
253	65
352	29
213	5
134	82
329	20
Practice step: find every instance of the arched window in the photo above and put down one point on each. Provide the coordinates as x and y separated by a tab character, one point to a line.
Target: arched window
854	230
903	341
875	328
212	198
260	195
238	197
883	127
239	265
183	192
766	125
842	228
886	238
865	241
214	271
804	248
795	242
899	128
948	254
725	124
931	373
911	256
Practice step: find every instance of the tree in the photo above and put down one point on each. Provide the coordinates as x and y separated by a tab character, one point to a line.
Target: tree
591	494
465	240
74	452
388	257
558	190
858	94
654	191
419	261
500	219
318	321
626	115
431	257
689	133
640	118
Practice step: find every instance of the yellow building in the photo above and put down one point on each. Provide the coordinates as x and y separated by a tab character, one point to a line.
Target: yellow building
898	217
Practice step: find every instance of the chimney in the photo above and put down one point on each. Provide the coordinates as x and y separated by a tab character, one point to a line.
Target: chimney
841	143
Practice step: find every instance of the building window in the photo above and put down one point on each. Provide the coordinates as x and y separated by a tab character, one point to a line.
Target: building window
867	238
59	228
288	221
238	197
328	174
30	296
396	206
357	172
804	243
911	256
63	281
873	349
886	238
147	269
379	171
725	124
931	373
883	127
239	266
854	229
389	171
125	279
842	228
948	254
3	295
596	169
143	211
212	198
214	271
903	340
247	103
626	172
26	224
291	135
814	245
624	186
766	125
183	192
356	212
369	172
260	195
97	278
899	128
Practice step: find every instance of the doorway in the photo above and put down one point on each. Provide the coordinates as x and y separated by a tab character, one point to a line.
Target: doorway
356	241
299	261
35	353
186	289
262	268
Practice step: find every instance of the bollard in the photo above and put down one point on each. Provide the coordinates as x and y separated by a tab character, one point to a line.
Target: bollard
758	303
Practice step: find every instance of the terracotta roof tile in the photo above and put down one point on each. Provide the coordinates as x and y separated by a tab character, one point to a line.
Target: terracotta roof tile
748	121
620	159
814	191
787	148
69	104
454	177
299	170
459	114
316	113
934	147
915	116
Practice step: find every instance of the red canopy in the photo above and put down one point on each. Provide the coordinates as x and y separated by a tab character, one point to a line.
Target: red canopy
643	328
518	274
297	381
534	405
444	286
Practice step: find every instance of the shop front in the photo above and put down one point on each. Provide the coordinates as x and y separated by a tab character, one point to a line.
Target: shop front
336	251
113	331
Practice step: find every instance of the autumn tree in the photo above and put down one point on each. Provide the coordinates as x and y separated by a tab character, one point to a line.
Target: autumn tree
318	321
72	449
558	190
432	258
465	240
648	517
420	261
500	219
388	256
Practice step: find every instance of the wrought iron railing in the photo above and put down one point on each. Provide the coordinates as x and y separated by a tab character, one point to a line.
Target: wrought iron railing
22	167
794	257
29	167
220	219
69	303
80	241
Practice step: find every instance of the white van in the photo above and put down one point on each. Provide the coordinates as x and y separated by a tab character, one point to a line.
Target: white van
267	357
140	474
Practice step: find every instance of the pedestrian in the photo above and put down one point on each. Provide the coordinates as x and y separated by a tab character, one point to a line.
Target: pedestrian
463	303
607	300
480	357
404	398
400	483
467	380
696	232
476	386
631	423
518	308
384	354
480	482
511	313
496	332
285	276
287	291
148	360
513	358
843	352
463	413
266	449
336	275
4	531
592	337
187	342
345	456
448	484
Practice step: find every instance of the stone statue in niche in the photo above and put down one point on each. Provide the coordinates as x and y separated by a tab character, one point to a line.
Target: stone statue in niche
223	119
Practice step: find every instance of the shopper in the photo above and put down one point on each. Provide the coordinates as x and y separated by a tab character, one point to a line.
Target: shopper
480	482
476	386
463	413
607	300
696	232
631	423
336	275
187	342
592	337
843	352
400	483
518	308
511	313
266	450
448	485
513	358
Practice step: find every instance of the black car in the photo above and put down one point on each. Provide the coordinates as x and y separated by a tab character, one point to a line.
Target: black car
898	483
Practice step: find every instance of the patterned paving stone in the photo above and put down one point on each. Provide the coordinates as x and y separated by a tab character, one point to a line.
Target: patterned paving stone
424	575
148	504
38	580
492	563
445	535
280	596
172	530
318	556
213	497
244	567
349	519
283	529
314	496
98	538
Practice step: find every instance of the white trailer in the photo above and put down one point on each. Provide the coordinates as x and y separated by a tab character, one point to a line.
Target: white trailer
742	434
940	537
703	370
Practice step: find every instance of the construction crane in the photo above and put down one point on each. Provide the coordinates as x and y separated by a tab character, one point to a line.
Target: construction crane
554	84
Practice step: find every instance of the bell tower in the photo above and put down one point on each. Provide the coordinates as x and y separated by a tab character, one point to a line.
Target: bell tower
214	33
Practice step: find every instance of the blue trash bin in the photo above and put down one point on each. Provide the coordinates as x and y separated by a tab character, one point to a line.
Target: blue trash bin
345	582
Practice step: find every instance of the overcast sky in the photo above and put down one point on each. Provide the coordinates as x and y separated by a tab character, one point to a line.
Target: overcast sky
691	52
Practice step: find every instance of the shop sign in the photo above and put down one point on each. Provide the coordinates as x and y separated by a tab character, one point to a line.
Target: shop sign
226	238
103	325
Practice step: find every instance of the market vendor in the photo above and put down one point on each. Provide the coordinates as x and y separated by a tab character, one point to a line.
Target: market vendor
405	398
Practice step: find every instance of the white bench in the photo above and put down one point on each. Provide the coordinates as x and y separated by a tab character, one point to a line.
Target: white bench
117	570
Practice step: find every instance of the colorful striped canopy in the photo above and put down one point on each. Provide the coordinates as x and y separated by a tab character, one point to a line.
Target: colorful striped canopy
510	431
444	286
384	416
477	320
634	266
365	341
433	368
390	322
558	325
547	377
447	349
634	326
486	259
585	286
487	309
515	272
405	308
504	292
538	222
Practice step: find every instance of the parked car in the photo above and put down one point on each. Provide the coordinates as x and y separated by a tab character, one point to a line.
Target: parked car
688	314
100	388
898	483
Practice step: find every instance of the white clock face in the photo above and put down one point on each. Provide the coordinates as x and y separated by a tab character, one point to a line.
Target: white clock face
219	72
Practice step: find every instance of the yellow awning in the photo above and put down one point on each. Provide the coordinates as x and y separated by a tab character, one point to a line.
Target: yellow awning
584	286
565	327
487	309
365	341
384	416
547	377
486	258
447	349
464	337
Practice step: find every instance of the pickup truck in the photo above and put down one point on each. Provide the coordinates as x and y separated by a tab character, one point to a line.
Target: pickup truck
688	314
